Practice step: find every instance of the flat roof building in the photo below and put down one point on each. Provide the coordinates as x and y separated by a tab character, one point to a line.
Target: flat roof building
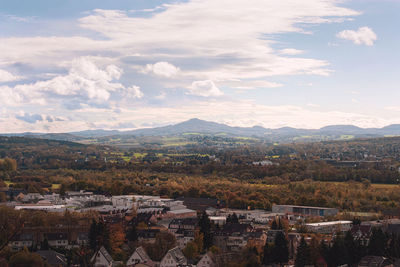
329	227
305	210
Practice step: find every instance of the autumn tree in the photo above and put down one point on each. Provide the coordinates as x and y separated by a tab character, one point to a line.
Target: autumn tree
164	242
26	259
191	250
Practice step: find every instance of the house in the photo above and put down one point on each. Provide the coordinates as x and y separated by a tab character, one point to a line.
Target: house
188	224
102	258
208	260
238	228
233	237
218	220
183	237
361	233
139	256
20	241
256	239
235	242
57	239
52	258
374	261
82	239
173	258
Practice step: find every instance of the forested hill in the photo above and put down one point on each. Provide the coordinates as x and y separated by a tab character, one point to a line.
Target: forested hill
43	153
198	128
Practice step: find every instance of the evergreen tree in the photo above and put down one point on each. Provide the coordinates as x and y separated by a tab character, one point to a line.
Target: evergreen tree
205	229
351	249
377	243
303	256
324	250
337	252
103	235
267	257
274	225
394	247
93	235
280	251
232	218
99	235
280	225
132	233
44	245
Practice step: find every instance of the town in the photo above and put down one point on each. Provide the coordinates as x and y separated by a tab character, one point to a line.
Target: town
141	230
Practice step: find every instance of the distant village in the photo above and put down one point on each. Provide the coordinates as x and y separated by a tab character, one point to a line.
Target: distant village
232	231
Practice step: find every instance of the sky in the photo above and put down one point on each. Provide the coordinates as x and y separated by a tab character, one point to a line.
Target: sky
69	65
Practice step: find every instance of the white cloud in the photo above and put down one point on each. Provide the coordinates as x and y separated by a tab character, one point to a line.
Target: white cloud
393	108
224	43
134	92
33	118
162	68
85	83
363	35
6	76
312	105
249	85
291	51
204	88
199	31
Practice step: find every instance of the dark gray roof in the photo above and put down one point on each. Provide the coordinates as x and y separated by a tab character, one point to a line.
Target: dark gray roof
23	237
53	258
57	236
374	261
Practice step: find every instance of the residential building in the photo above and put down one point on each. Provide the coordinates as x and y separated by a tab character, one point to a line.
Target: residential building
57	239
188	224
102	258
139	256
20	241
207	260
361	233
82	239
173	258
